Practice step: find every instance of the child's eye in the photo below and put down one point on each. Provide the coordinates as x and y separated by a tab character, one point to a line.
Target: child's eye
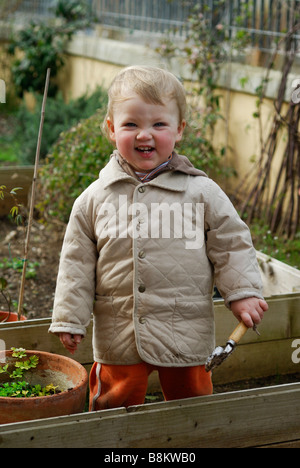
130	124
160	124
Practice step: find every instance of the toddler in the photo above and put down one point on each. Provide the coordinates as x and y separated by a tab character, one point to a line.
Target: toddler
144	247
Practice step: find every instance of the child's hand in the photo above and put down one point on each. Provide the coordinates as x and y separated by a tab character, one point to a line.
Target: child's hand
70	342
250	310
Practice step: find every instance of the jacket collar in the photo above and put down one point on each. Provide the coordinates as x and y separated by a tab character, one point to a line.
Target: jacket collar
113	173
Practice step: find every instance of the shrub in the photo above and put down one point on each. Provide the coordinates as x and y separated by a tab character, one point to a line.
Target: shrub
73	165
59	116
42	46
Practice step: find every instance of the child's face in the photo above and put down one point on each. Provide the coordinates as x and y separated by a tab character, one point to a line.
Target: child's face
145	134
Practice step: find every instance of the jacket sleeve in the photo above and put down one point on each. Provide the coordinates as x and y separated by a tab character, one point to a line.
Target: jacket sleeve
75	289
230	249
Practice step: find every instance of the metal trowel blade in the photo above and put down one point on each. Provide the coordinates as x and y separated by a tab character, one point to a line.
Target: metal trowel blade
218	356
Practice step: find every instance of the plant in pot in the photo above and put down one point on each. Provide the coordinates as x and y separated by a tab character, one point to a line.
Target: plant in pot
37	385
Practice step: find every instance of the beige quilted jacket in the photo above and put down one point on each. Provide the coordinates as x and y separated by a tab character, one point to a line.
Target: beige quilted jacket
149	283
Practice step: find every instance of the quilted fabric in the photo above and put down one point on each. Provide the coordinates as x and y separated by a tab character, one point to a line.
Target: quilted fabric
144	260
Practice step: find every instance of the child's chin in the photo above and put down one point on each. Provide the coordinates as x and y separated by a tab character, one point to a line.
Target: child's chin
146	167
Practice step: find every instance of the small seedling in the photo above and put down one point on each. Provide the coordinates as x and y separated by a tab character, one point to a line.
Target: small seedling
19	388
16	264
15	210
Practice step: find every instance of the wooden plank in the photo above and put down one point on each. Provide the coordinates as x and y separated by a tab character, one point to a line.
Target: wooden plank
251	418
286	445
278	278
282	321
255	357
265	355
252	361
34	335
15	175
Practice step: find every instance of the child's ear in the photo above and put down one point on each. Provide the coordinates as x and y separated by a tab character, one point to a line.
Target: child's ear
111	129
180	131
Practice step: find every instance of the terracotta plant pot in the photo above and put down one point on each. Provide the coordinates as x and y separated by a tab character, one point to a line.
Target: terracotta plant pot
69	375
6	317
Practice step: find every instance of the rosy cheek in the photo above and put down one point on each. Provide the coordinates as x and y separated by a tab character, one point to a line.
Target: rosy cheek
125	144
166	140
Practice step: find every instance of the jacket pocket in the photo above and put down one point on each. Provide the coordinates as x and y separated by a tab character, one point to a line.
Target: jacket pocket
193	325
104	322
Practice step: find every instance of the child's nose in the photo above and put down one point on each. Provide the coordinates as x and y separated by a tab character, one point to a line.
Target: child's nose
144	134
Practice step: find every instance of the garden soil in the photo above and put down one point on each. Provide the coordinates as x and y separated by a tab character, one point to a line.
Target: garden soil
44	253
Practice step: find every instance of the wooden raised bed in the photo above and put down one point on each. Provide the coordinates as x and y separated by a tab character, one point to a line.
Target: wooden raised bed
255	357
19	176
253	418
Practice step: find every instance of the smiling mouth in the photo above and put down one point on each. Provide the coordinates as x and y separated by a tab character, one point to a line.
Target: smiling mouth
145	149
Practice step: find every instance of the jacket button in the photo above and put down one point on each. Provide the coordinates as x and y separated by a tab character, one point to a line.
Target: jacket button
142	288
142	189
142	320
142	254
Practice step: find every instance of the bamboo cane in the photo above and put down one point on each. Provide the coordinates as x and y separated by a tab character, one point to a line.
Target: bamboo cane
32	201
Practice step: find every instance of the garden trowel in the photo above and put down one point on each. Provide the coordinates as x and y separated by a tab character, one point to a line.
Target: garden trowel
221	353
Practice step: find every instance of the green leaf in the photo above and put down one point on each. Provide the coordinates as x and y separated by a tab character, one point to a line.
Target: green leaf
3	284
19	352
16	374
14	211
14	190
34	360
3	369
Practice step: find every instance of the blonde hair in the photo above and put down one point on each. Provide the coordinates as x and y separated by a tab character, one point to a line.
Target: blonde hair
153	85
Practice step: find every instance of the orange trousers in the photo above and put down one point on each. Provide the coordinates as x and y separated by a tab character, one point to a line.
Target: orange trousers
117	386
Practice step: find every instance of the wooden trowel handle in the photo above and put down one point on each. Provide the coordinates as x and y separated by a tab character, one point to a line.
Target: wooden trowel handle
239	332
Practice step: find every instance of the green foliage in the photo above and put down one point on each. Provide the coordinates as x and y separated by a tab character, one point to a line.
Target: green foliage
73	11
18	352
15	210
73	165
42	46
8	149
203	153
20	367
279	247
22	389
59	116
17	265
25	390
207	47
